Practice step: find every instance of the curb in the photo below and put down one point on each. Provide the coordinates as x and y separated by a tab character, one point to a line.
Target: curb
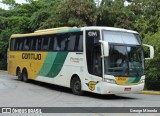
150	92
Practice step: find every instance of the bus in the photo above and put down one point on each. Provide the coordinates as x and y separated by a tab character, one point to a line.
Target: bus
102	60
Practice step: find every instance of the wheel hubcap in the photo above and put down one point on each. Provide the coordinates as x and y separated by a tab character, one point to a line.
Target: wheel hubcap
77	86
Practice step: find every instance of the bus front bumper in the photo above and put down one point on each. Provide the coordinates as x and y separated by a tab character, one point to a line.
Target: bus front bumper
108	88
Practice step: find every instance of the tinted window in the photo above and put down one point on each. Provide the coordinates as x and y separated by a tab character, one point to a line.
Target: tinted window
56	45
55	42
80	44
71	42
39	43
33	43
63	42
45	42
27	44
51	42
12	44
60	43
19	44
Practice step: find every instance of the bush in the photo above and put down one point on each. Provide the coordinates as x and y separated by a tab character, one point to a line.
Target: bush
152	67
3	65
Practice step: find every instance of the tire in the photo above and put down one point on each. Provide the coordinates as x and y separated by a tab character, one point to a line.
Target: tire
25	75
19	74
76	86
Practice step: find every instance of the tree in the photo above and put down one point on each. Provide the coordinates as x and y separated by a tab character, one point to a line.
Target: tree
152	69
11	3
8	2
38	18
72	13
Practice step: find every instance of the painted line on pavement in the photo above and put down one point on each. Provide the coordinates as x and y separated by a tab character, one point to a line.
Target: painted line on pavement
3	71
150	92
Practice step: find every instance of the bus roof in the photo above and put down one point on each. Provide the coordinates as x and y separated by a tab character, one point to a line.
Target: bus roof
53	29
108	28
48	31
69	29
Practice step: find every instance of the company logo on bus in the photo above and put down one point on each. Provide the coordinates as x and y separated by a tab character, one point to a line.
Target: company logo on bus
76	60
92	34
31	56
91	85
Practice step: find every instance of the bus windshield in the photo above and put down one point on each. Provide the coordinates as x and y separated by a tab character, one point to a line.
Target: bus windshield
124	60
125	54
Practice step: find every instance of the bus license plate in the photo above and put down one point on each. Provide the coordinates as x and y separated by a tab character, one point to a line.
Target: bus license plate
127	89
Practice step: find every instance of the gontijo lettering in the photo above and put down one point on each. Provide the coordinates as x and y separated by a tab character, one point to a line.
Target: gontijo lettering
31	56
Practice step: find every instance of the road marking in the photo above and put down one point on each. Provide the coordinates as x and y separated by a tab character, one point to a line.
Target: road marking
150	92
3	71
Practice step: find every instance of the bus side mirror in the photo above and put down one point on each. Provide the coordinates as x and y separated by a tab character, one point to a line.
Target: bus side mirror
151	51
105	48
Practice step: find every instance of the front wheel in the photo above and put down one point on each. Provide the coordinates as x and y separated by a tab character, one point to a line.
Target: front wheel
76	86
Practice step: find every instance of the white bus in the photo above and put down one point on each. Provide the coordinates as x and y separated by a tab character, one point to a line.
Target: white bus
101	60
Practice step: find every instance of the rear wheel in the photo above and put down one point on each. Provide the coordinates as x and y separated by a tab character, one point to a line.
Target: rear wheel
25	75
76	86
19	74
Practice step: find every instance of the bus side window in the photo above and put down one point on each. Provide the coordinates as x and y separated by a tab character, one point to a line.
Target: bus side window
80	45
61	42
21	44
51	43
12	44
64	44
17	44
33	43
79	42
39	42
56	45
45	42
71	42
27	44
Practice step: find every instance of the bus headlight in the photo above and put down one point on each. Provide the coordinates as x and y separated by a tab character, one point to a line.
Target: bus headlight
112	81
142	81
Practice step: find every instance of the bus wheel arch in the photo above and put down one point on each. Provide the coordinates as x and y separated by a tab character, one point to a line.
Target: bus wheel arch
19	74
76	85
25	75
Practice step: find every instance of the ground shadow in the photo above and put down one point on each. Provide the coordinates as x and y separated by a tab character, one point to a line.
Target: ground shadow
86	94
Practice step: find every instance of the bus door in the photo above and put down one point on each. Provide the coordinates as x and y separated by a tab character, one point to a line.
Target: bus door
93	57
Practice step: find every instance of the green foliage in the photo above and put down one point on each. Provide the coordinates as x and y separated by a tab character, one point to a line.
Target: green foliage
152	67
8	2
71	13
4	42
38	18
113	13
4	37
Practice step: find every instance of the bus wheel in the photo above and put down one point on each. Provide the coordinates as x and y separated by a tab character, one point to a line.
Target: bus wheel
19	75
76	86
25	75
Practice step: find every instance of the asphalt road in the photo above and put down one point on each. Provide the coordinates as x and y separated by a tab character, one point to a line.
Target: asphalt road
14	93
